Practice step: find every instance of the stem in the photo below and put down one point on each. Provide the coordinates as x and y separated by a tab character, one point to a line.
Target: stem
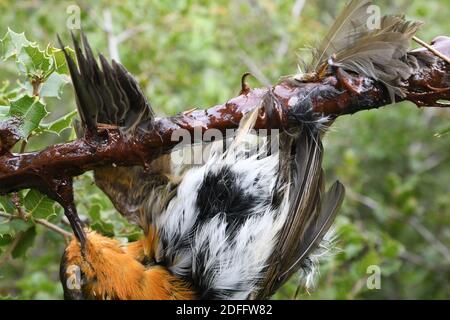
36	84
23	146
54	228
42	222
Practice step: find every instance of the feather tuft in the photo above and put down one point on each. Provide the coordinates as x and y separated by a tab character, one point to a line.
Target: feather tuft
380	53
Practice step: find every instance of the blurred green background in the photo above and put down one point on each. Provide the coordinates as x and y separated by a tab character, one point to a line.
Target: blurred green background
192	53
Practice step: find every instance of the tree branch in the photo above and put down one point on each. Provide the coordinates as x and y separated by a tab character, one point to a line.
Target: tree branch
52	169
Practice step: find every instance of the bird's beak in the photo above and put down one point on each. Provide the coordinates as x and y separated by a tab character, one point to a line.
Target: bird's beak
76	224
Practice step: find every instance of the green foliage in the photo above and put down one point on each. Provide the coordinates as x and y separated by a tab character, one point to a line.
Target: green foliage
41	75
184	53
31	112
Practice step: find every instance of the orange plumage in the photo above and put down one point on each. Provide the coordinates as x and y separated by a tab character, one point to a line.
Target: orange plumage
110	270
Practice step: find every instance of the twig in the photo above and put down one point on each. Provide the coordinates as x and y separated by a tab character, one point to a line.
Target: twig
23	145
113	39
283	46
356	288
54	227
432	49
16	201
127	34
42	222
429	236
113	44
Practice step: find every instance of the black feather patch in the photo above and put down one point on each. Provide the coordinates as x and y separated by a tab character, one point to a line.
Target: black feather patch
220	193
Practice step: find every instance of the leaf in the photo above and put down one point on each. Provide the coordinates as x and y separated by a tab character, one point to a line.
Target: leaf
4	110
5	239
52	87
59	60
34	62
26	241
17	225
97	223
39	205
38	65
8	93
30	110
59	125
4	230
12	44
6	204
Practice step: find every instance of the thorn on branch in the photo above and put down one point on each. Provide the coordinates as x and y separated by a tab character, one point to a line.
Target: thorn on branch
245	88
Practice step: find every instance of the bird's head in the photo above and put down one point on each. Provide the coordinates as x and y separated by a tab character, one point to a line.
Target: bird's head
102	269
105	269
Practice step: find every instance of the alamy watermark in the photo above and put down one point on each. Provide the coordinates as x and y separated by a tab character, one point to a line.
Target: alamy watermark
196	147
73	21
374	19
73	281
374	279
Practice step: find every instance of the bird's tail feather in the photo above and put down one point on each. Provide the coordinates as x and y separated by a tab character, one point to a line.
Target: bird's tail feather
106	94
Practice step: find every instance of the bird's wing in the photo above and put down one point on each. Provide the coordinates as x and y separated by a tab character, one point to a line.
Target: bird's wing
310	212
108	94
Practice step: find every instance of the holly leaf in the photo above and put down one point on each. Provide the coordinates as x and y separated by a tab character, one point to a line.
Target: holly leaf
30	110
12	43
38	205
39	65
8	93
59	60
4	110
34	62
52	87
59	125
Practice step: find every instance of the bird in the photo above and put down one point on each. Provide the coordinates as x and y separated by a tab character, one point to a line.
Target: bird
209	229
241	222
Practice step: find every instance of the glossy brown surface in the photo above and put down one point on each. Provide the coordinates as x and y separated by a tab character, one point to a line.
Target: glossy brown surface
51	170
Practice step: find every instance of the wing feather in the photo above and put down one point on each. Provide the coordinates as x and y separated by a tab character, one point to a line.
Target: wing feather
310	212
107	93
